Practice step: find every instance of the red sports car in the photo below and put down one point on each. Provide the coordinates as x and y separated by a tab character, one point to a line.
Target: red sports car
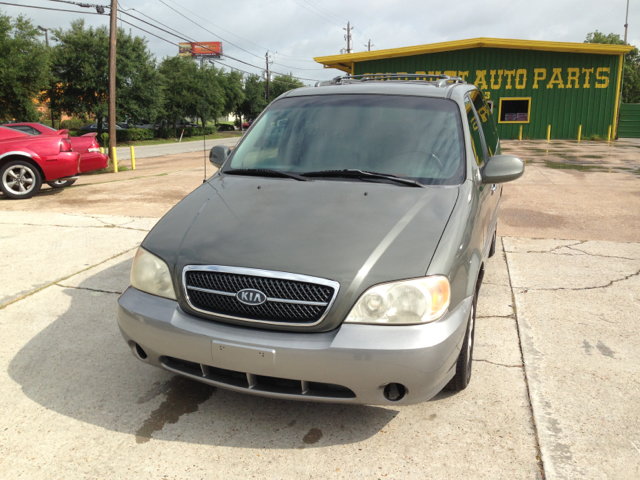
27	160
86	145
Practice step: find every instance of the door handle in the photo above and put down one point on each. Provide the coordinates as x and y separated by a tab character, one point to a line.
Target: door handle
493	188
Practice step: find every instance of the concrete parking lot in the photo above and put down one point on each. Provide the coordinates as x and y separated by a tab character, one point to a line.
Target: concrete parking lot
555	390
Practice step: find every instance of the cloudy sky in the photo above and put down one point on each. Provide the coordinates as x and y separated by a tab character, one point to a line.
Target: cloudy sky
295	31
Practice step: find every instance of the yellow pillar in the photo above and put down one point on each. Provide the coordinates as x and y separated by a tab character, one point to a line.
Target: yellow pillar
133	158
520	135
609	134
579	132
101	150
114	157
549	133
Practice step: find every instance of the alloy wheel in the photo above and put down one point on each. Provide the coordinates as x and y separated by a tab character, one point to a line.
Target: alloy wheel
19	179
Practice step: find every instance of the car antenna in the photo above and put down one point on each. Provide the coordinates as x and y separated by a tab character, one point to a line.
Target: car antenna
204	124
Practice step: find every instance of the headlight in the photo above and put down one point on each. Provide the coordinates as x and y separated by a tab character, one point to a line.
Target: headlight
406	302
150	274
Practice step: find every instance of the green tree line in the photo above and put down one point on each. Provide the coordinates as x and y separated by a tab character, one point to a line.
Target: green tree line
631	74
72	78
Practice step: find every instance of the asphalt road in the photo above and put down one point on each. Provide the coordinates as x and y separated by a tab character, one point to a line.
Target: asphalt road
554	392
147	151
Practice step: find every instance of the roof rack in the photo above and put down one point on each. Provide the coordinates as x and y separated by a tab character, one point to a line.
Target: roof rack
437	80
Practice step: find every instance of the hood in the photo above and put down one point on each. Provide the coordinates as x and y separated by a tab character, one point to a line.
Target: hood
356	233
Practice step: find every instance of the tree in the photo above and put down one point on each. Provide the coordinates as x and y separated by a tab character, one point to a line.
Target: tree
631	76
284	83
254	97
80	64
233	92
24	64
181	89
190	90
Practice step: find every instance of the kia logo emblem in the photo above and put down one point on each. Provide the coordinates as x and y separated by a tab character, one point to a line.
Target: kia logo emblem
249	296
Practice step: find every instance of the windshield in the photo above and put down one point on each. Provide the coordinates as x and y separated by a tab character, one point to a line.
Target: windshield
415	137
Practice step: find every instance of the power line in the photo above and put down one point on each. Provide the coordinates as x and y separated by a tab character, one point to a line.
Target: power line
47	8
182	37
152	34
238	36
340	19
212	33
206	30
316	13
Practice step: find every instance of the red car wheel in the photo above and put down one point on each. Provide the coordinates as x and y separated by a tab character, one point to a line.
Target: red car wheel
19	179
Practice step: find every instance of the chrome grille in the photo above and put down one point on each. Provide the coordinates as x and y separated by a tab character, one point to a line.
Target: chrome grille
292	299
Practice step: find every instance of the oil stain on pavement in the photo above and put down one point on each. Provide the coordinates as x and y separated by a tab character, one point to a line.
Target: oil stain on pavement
183	396
313	436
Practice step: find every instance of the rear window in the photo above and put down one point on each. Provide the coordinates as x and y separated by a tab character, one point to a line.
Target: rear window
414	137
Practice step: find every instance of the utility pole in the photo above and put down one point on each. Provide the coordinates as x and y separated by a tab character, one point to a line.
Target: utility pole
348	36
626	23
46	39
369	46
113	32
46	35
266	56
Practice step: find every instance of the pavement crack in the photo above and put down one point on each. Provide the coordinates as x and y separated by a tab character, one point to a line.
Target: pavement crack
76	226
55	282
584	288
496	363
90	289
596	254
556	248
524	371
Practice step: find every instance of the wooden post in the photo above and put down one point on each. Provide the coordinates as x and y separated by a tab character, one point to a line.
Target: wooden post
113	32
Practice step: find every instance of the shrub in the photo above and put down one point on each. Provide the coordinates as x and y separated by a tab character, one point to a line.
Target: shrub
73	124
134	134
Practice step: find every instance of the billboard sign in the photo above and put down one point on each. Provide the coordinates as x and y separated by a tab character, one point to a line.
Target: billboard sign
200	49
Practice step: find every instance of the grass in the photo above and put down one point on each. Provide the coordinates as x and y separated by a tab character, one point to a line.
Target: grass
164	141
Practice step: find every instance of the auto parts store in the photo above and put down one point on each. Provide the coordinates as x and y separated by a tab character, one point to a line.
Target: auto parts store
535	88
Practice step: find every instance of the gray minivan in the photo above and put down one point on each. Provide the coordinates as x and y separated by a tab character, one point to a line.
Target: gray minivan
338	252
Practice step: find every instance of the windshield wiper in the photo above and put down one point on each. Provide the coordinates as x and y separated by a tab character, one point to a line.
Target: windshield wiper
265	172
363	175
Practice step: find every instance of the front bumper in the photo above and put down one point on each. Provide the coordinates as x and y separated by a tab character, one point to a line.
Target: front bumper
362	359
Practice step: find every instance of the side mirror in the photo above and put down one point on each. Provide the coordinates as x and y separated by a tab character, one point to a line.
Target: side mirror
218	155
502	168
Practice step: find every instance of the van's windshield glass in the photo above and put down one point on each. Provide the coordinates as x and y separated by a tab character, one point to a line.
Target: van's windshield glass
413	137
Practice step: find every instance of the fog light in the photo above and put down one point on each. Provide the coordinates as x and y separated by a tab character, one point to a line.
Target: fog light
394	392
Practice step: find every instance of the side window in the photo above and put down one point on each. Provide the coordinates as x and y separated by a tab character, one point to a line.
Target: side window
476	142
488	124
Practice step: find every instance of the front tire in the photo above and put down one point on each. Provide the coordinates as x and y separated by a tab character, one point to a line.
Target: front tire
61	183
20	179
492	249
461	379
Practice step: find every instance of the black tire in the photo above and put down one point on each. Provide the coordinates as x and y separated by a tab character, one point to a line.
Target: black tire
461	379
61	183
492	248
20	179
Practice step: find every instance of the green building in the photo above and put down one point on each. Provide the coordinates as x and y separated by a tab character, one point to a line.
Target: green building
534	87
